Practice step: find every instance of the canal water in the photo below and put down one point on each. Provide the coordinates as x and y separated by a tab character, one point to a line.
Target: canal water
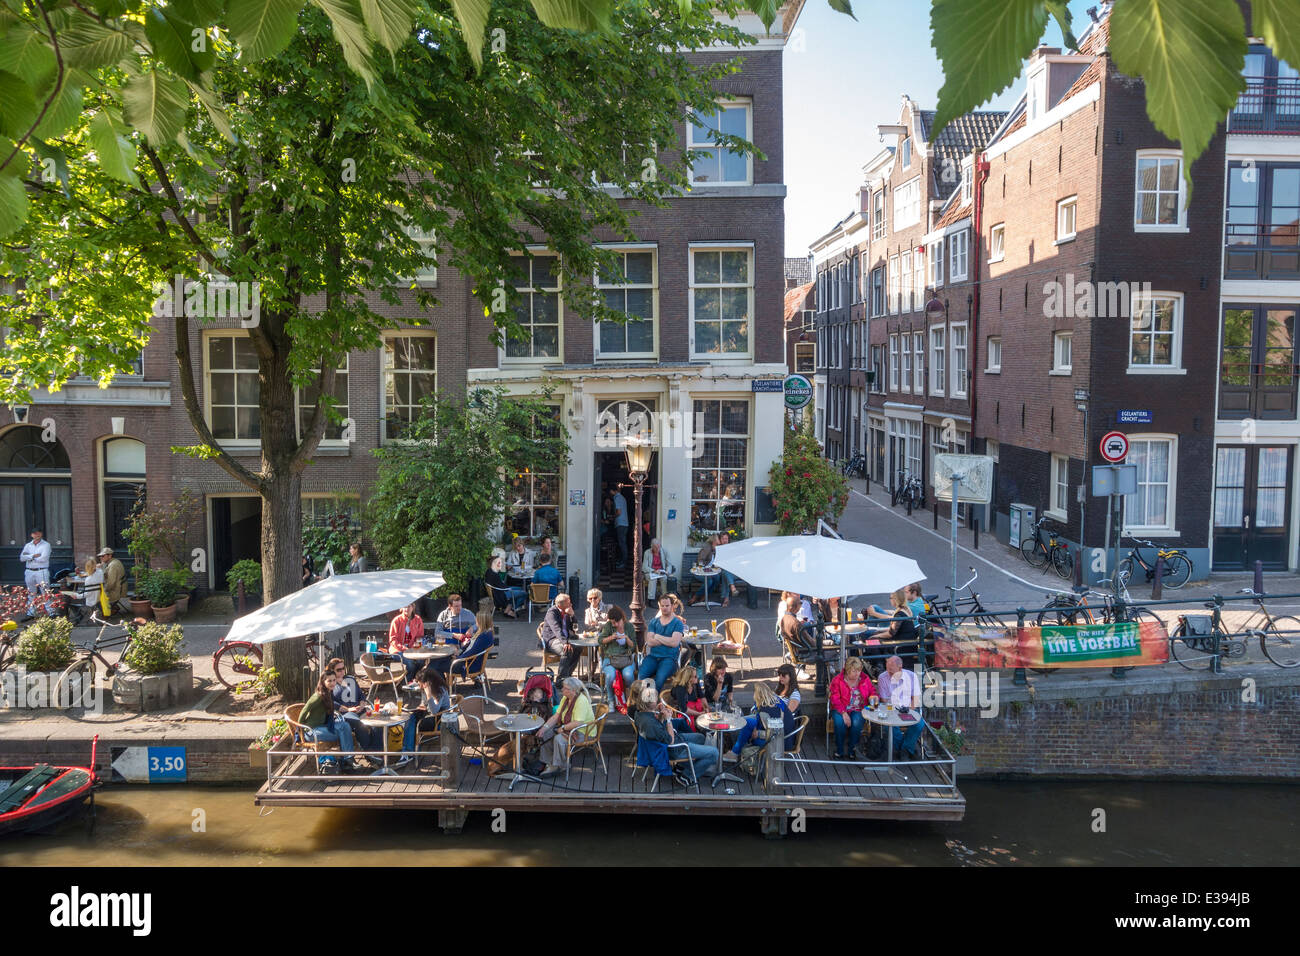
1008	823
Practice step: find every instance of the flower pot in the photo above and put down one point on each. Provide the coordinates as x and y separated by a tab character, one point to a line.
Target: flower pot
257	755
154	692
140	608
165	615
182	603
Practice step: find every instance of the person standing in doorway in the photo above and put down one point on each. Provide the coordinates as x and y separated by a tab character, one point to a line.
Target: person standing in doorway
35	557
621	527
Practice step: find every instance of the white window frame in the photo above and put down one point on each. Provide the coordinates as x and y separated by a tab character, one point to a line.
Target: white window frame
893	363
935	254
967	181
1140	301
905	381
994	345
905	281
1058	367
879	219
960	374
998	242
907	204
504	358
938	359
798	364
918	363
299	407
746	247
893	283
864	275
209	335
992	448
918	280
1071	203
384	369
1171	498
1059	498
1158	154
654	301
959	255
905	153
692	130
426	241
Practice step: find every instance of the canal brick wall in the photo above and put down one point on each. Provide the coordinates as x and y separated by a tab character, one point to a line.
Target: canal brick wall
1217	727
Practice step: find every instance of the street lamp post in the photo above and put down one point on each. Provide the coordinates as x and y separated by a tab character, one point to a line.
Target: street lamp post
638	451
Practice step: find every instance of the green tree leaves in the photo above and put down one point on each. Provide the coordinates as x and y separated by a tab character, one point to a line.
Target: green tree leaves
90	45
982	45
263	27
1190	52
155	103
116	153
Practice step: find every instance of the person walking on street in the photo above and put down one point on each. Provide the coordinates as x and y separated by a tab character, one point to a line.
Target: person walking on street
621	527
35	557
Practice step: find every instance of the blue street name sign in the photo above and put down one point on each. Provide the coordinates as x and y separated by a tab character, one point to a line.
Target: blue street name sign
1133	416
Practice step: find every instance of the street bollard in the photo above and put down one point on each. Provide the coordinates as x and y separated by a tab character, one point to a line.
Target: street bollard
909	506
1078	568
1259	577
1019	678
934	512
239	593
1157	584
867	475
975	528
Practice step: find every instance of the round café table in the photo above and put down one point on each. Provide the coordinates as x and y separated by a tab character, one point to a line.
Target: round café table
381	722
721	724
518	725
439	656
888	718
703	640
590	644
707	575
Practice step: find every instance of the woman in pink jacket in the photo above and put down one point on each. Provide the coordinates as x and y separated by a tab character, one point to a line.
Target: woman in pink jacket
849	693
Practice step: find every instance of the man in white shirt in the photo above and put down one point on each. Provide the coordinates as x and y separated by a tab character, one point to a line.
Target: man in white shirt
35	557
902	688
621	526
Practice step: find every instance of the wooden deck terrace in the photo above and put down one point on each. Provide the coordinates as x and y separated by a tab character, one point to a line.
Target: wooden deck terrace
813	786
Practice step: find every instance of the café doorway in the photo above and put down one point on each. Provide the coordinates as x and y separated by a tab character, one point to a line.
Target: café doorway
611	476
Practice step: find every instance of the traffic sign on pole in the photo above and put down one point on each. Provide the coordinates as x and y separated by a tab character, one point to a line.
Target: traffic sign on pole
1114	446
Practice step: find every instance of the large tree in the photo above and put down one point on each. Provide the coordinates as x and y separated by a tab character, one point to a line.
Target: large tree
306	180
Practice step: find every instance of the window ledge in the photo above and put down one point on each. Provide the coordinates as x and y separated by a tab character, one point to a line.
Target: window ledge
959	278
1140	370
1175	230
1063	372
1151	532
998	259
1065	240
993	371
1057	516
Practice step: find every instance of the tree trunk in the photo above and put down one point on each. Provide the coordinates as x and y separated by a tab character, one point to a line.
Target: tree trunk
289	656
281	481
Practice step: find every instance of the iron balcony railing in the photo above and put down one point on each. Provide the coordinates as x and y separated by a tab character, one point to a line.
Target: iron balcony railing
1267	107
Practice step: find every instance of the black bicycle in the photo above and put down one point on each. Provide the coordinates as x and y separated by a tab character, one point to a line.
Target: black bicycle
1193	641
1072	607
908	488
962	607
1178	566
76	685
855	467
1044	548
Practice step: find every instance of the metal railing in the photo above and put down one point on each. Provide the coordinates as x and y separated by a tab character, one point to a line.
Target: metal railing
945	765
1267	107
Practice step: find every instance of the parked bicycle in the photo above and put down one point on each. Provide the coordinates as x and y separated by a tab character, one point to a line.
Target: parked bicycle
1073	607
1045	548
961	607
1178	566
237	663
76	685
855	467
1279	637
908	488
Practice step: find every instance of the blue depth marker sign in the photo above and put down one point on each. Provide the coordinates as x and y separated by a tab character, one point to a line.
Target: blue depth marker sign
149	765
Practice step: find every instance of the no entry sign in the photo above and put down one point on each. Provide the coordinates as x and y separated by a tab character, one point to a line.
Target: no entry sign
1114	446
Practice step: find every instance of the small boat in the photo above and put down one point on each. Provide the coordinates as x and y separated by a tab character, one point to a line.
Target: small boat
40	796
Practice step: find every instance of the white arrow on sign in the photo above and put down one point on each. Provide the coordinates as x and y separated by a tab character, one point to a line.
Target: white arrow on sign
131	764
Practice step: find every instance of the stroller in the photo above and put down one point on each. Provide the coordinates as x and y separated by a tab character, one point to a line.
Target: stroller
539	699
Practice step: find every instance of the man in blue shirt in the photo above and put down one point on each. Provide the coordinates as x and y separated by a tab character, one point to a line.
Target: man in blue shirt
621	526
547	573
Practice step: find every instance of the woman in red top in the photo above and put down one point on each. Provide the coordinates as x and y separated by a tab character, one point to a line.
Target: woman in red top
406	633
850	691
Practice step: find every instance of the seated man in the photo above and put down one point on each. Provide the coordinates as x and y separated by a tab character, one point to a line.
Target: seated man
548	573
557	628
656	567
404	634
455	621
903	688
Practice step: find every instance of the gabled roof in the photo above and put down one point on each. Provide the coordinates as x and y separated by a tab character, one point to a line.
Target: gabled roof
798	269
795	300
964	135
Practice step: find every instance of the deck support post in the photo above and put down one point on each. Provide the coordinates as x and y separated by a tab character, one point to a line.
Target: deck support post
773	769
774	824
450	743
452	821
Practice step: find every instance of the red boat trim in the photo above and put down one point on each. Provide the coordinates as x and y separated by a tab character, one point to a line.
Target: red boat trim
26	810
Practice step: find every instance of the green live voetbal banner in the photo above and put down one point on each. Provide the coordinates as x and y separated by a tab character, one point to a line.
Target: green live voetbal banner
1130	644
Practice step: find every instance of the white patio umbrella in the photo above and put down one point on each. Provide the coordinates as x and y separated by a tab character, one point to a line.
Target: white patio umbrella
334	603
817	565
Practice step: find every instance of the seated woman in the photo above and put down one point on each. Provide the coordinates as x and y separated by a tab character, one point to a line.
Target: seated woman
652	723
507	598
663	641
321	721
656	567
618	657
519	562
482	638
536	703
688	698
771	702
902	632
435	701
350	704
703	559
717	685
849	693
406	633
555	735
594	617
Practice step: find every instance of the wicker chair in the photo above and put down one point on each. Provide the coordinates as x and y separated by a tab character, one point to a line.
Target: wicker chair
473	671
539	595
547	657
736	630
303	739
422	735
794	747
601	711
391	675
477	732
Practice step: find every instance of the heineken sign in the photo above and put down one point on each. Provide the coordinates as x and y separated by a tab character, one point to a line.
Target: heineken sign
1090	642
798	391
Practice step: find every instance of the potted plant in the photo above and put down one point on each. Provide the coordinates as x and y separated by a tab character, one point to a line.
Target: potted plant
139	598
184	585
276	737
156	674
160	589
249	573
44	649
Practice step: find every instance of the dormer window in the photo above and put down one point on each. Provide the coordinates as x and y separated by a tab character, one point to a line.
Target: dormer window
905	152
967	182
1036	103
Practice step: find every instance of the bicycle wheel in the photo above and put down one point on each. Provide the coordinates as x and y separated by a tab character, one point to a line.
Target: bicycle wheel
1281	642
1063	561
1190	653
1178	568
1060	614
237	664
1125	572
76	685
1034	552
6	654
